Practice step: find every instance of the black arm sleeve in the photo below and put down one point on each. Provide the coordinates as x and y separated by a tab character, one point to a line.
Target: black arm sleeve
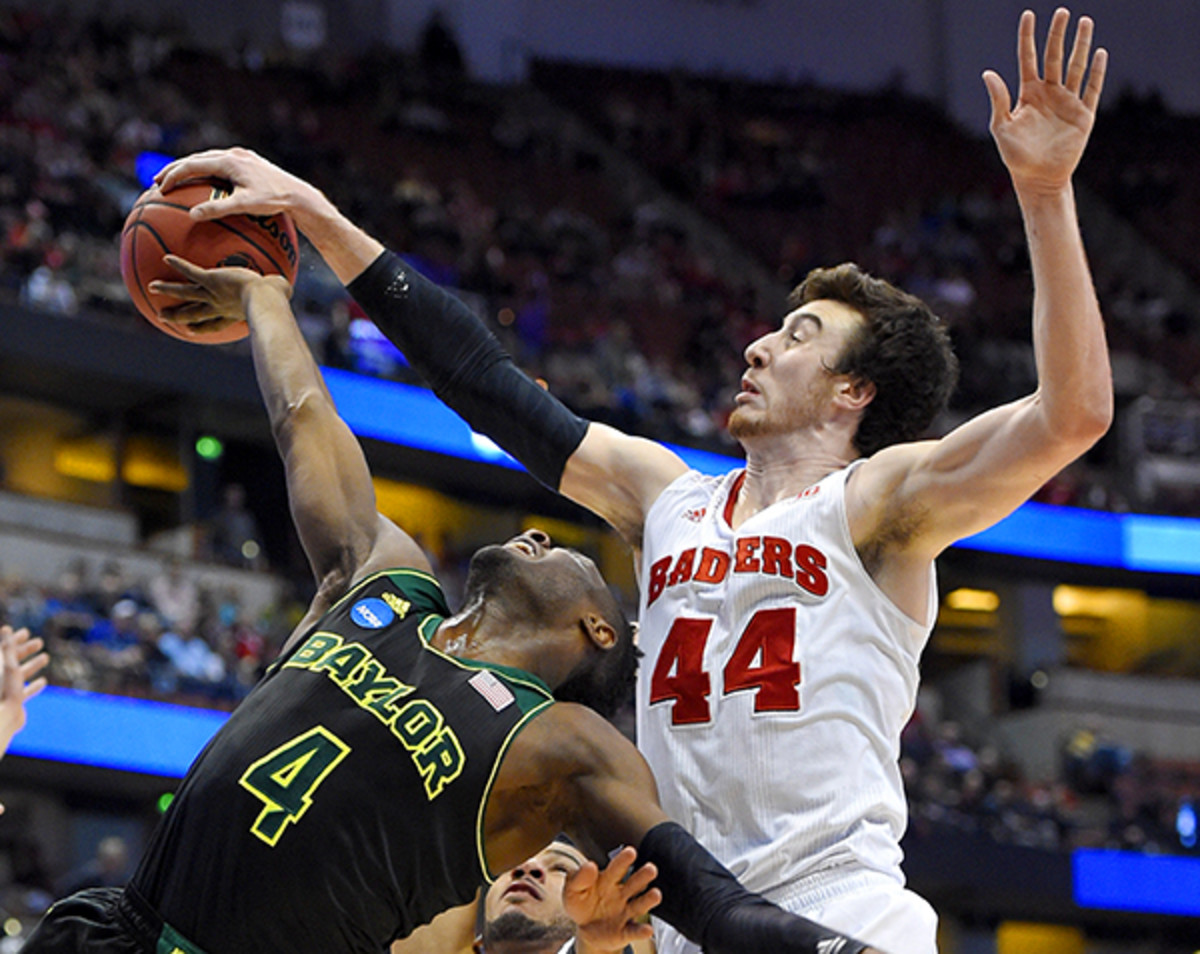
703	899
467	368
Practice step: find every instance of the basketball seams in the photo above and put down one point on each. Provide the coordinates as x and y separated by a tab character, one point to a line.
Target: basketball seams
281	269
136	228
156	225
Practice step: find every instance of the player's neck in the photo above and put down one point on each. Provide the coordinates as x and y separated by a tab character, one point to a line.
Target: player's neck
480	632
783	471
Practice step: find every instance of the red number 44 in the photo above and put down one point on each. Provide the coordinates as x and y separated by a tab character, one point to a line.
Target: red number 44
761	661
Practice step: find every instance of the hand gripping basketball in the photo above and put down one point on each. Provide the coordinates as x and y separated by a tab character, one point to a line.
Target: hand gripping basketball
159	225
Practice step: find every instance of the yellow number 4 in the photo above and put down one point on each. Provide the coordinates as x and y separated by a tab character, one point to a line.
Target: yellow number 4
286	777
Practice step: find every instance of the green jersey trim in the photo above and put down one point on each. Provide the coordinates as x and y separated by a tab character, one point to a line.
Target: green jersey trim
171	941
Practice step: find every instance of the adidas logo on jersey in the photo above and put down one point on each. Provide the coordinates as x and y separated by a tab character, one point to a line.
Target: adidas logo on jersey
831	945
696	514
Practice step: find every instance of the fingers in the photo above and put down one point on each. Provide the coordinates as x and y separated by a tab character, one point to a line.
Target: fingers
1079	54
640	880
33	688
1077	66
998	94
643	904
219	208
18	673
618	867
200	165
583	878
1027	60
32	666
1055	43
202	321
184	267
12	668
1095	83
183	291
25	644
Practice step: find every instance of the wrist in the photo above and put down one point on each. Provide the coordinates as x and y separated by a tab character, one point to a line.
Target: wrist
346	248
267	290
1035	192
312	211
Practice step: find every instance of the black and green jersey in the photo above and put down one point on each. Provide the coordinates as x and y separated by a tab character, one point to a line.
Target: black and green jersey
341	806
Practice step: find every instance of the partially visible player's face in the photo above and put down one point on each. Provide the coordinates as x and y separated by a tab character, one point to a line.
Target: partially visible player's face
525	904
789	386
548	579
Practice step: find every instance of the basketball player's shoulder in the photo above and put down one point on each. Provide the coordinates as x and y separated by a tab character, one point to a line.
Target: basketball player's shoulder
693	484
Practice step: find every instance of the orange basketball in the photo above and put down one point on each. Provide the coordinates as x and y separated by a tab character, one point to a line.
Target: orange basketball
158	223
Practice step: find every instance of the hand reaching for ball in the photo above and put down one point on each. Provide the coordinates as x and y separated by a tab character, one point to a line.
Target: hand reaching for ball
212	299
161	224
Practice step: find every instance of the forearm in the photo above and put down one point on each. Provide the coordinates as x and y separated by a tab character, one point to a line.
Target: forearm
330	493
287	375
1074	375
702	899
467	368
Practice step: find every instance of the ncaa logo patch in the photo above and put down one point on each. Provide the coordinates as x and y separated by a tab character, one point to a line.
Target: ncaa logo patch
372	613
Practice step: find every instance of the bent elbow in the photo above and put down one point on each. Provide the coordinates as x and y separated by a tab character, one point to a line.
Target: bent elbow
1088	423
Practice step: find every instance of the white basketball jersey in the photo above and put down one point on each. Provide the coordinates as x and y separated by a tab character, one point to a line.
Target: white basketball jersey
776	681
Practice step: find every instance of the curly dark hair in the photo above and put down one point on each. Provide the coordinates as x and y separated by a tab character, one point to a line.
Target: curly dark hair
901	347
605	681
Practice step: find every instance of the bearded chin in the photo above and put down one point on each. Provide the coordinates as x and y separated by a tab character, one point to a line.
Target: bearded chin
516	926
742	425
745	424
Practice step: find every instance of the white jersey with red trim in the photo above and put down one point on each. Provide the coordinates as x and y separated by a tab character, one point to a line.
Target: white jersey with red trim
776	681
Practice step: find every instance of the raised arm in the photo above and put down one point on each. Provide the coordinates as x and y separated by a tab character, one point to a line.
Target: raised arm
329	484
986	468
613	474
610	800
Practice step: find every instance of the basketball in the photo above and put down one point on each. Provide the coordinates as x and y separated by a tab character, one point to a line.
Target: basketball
158	224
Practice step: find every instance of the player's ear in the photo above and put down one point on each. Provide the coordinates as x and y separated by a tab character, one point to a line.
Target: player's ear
855	393
599	630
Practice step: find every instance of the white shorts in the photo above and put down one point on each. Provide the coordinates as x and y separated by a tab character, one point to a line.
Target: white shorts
880	912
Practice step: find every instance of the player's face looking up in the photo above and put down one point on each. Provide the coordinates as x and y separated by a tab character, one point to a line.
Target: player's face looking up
529	573
790	382
525	903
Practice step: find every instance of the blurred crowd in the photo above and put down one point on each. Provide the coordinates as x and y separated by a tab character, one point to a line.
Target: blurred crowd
165	637
594	282
1104	795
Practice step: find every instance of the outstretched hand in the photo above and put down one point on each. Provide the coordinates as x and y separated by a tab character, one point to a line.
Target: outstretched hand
606	905
1042	139
212	298
21	659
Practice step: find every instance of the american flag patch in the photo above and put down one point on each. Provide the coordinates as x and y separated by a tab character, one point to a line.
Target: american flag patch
498	695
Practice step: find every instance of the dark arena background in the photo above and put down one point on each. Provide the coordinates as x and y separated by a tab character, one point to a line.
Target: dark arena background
625	192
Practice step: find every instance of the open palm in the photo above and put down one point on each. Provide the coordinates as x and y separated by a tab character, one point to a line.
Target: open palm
1042	138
